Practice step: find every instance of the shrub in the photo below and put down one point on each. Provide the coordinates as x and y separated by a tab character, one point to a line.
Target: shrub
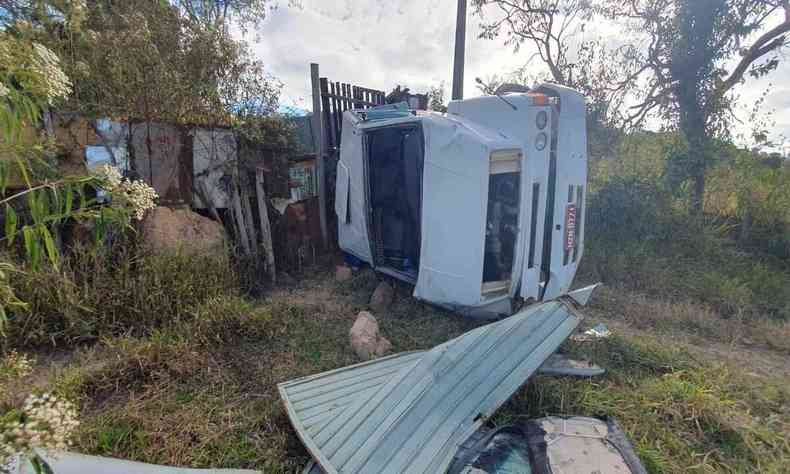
111	291
640	235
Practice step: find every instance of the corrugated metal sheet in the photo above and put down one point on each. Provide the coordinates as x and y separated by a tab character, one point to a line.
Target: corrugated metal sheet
213	157
409	412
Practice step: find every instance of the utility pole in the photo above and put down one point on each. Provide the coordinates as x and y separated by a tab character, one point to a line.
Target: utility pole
460	43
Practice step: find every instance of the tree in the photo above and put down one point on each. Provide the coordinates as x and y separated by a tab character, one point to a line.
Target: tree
553	30
436	98
175	61
545	24
219	14
697	53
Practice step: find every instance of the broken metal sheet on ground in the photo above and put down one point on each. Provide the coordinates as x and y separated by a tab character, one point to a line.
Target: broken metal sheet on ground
558	364
409	412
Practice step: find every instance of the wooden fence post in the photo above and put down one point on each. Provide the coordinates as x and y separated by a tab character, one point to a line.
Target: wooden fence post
318	133
238	215
266	230
246	208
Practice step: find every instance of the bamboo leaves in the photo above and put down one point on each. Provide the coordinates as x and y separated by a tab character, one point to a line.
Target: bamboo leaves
7	298
10	223
47	206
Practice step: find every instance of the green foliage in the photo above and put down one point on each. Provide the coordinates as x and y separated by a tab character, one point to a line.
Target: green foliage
168	61
752	192
30	79
99	292
229	320
8	298
642	235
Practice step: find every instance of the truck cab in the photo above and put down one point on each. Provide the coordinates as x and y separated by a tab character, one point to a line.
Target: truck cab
479	208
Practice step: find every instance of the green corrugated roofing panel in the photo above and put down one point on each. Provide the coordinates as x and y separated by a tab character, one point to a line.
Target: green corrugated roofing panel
408	412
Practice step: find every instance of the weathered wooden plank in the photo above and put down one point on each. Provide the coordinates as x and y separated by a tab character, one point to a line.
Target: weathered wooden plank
319	131
266	229
249	221
238	219
327	102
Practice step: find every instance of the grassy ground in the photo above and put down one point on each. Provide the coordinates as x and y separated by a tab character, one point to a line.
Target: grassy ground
202	392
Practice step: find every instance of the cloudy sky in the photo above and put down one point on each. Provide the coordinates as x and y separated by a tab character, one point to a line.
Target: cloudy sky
381	43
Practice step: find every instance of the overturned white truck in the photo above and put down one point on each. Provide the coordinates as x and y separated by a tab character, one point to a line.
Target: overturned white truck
478	208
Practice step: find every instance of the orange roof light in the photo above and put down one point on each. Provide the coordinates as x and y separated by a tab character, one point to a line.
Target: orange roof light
538	99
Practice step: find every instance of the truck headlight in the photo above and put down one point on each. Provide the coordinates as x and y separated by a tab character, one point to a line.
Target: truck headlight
542	119
540	141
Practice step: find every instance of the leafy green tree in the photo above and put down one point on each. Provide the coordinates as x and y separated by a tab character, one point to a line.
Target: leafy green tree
698	52
219	14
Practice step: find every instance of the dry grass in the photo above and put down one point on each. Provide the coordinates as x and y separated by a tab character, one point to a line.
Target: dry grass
689	321
202	391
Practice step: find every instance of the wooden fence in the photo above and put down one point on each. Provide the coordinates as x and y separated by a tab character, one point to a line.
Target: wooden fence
330	100
336	98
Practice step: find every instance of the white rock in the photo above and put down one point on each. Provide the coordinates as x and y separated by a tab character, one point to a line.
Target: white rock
366	340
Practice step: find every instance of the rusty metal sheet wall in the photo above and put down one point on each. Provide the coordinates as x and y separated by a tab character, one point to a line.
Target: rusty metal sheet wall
161	167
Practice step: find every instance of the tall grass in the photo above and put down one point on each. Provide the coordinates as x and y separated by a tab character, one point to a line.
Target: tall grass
641	236
108	291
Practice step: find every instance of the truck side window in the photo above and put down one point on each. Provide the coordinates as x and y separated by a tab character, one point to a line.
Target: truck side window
504	196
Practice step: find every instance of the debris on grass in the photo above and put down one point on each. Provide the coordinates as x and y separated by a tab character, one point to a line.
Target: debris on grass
180	397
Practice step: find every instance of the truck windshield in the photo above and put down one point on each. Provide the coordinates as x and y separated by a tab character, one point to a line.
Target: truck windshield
395	160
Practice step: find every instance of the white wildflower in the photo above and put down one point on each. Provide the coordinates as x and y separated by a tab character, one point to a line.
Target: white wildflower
44	422
47	64
135	196
110	176
4	91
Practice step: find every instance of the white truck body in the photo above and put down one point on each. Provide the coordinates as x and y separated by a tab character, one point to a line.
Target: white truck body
478	207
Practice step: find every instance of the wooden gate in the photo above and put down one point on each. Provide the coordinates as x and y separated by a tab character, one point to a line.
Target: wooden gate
336	98
330	100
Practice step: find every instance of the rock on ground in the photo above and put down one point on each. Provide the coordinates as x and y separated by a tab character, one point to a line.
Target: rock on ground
166	229
382	296
343	273
366	340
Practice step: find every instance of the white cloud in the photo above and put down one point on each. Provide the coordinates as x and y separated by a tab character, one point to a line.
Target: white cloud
380	43
375	44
